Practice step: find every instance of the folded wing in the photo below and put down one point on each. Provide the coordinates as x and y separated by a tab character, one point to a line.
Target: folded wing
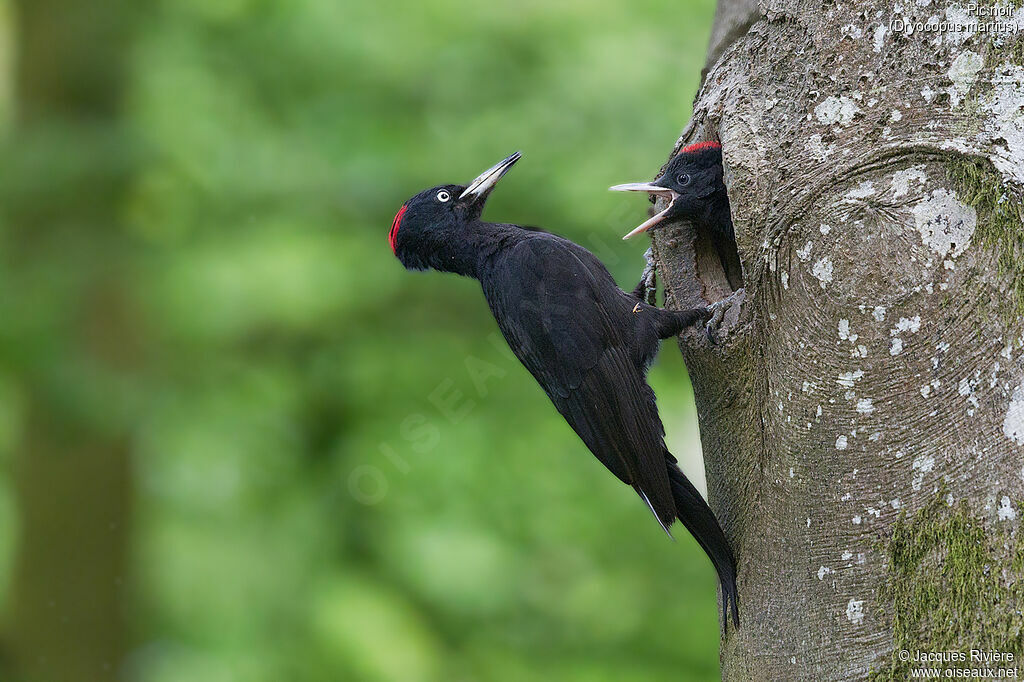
562	320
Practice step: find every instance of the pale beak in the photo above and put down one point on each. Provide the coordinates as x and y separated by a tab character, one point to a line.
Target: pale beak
650	188
484	183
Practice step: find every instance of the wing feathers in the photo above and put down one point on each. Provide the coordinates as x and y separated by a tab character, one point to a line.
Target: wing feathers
567	322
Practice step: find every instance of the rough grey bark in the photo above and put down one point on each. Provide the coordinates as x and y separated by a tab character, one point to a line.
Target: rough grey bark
863	417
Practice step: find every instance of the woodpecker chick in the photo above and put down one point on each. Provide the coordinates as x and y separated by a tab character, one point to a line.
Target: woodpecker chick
586	342
693	184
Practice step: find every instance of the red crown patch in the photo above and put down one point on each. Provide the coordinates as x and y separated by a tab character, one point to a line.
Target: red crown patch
395	224
700	146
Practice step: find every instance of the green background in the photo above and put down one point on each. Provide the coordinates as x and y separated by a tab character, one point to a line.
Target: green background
334	472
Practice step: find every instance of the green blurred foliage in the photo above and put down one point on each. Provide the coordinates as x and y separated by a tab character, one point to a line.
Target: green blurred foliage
341	475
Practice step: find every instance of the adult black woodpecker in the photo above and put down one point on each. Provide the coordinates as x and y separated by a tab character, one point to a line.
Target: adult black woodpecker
693	184
586	342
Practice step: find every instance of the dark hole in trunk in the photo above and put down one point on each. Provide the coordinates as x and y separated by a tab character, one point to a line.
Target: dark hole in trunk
718	265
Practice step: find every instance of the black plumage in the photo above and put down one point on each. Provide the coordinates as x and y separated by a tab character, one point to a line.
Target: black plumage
694	185
586	342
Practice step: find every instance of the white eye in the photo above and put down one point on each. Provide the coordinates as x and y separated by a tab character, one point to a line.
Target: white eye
443	195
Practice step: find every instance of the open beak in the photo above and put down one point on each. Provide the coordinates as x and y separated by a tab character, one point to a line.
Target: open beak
485	182
650	188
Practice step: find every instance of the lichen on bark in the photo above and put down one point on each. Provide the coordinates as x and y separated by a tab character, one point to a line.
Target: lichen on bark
953	583
1000	212
874	178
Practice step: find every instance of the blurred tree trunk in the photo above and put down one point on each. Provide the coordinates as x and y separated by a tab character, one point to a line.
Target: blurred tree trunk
863	418
75	340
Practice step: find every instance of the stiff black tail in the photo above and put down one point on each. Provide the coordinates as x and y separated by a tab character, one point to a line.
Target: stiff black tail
698	518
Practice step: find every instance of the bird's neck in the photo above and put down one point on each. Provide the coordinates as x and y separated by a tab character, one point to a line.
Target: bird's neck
469	248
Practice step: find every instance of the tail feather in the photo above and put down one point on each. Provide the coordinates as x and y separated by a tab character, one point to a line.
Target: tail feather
698	518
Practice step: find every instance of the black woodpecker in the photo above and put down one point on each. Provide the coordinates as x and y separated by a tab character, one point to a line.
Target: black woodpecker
692	182
586	342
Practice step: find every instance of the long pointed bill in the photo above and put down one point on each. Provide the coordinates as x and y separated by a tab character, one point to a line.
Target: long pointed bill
650	188
485	182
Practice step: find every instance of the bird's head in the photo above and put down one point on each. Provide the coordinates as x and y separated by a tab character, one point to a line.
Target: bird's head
691	182
427	221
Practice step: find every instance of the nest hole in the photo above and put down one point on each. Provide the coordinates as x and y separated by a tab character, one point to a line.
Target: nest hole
718	265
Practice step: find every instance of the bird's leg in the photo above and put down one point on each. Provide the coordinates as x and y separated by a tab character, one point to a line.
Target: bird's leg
672	322
647	289
718	313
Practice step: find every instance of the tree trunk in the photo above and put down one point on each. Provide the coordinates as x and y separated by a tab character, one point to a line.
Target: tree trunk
74	338
862	417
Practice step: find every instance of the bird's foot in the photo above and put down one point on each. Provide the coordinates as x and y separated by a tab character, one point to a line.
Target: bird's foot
647	289
718	311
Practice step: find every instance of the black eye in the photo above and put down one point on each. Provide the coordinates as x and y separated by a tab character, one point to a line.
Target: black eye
443	195
683	179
